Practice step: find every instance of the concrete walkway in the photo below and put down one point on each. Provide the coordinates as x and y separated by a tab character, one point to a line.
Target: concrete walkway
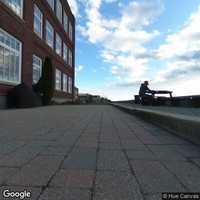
92	153
187	111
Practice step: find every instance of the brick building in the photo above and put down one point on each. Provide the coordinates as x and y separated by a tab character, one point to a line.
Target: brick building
30	30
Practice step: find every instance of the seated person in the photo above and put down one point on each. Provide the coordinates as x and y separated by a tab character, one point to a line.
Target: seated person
146	94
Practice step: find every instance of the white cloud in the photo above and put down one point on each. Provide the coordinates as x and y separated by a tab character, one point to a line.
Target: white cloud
79	68
182	52
123	39
74	6
186	40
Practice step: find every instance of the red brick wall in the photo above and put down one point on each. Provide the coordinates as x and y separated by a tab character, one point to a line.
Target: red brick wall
22	29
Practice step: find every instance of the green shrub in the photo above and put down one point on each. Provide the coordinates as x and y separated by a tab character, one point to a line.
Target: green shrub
48	81
45	86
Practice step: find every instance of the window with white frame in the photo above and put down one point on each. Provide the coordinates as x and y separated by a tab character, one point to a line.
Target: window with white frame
37	68
69	85
70	58
58	45
58	79
10	58
51	3
65	80
49	34
65	19
70	31
59	10
65	52
15	5
38	21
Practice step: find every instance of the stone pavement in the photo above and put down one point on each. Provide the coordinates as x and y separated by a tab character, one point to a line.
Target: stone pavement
92	153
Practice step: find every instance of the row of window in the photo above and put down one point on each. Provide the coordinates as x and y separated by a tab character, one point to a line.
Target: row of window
10	64
65	85
64	52
17	7
56	6
10	58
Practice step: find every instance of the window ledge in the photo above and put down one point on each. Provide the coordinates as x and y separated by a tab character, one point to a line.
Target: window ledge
9	83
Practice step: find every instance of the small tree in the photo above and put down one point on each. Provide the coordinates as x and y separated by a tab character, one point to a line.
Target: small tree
48	81
45	86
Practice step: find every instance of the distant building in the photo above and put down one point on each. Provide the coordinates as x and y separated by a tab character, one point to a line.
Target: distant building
29	32
92	99
84	98
96	99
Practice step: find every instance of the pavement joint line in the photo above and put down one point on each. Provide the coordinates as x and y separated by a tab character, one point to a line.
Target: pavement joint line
129	164
170	171
92	196
194	163
194	122
7	154
71	149
161	161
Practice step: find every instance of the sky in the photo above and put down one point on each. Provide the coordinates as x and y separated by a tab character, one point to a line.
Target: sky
121	43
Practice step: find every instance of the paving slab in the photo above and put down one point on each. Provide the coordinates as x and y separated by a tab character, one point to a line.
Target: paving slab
6	174
189	151
112	160
56	150
21	156
92	153
109	146
81	158
164	152
132	144
154	177
187	172
37	173
116	186
65	194
196	161
140	155
73	178
6	148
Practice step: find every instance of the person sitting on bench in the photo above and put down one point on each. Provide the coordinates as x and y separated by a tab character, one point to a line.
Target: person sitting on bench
146	95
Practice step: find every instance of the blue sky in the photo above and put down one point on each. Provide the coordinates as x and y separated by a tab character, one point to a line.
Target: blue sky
119	44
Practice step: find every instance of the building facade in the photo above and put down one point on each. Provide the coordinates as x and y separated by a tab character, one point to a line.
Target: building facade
31	30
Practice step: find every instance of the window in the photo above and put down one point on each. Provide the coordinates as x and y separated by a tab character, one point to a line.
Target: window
58	79
15	5
70	58
49	34
70	31
59	10
65	52
51	3
70	85
65	22
10	58
38	17
65	82
37	68
58	45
